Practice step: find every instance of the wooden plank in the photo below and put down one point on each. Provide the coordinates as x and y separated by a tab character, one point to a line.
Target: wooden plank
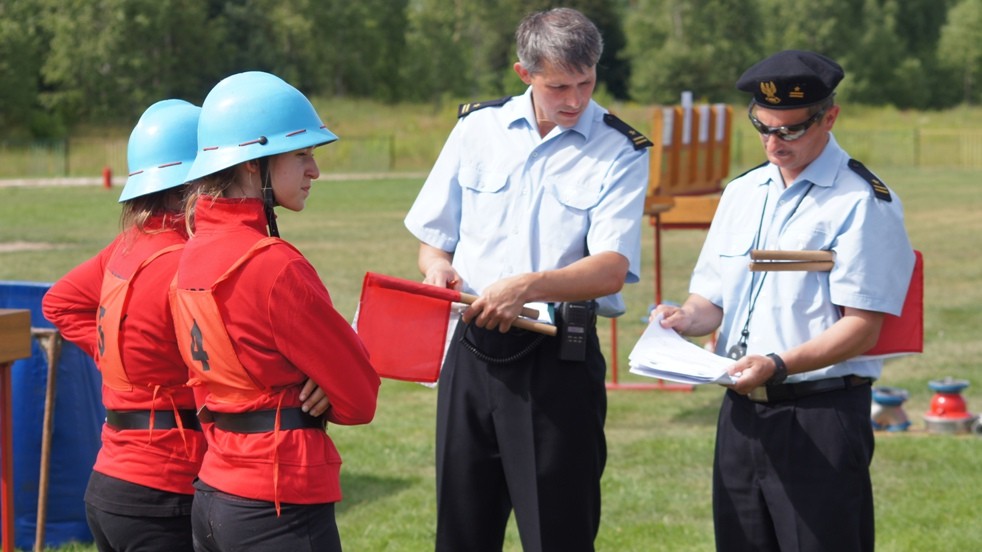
691	210
672	176
656	204
657	152
15	334
15	343
791	266
791	255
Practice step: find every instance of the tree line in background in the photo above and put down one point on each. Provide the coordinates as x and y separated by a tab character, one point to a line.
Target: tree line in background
66	62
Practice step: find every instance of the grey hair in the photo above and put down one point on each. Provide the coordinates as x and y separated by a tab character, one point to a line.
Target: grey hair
822	105
563	37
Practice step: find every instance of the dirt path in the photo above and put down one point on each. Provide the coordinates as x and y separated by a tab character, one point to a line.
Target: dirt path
11	247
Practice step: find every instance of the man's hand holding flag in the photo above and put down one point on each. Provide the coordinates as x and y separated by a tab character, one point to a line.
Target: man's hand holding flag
405	325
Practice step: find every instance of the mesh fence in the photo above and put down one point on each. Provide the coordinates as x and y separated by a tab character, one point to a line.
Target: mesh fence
955	148
87	157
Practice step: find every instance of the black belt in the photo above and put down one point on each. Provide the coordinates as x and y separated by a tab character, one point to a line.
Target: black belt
162	419
262	421
791	391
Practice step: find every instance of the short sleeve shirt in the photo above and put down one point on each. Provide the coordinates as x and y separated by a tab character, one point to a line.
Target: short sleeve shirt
829	207
506	201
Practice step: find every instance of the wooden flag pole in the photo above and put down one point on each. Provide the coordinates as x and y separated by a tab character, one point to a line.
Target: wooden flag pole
522	323
534	326
782	255
467	299
765	260
789	266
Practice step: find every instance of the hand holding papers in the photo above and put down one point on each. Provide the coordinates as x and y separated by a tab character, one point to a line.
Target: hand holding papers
664	354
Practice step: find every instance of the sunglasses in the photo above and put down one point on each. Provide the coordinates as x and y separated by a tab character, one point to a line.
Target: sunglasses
788	133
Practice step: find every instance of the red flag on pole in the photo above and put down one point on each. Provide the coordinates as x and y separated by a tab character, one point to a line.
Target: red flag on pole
403	324
904	334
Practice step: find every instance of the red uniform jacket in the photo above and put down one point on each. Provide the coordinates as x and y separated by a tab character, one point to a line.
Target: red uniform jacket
148	372
284	329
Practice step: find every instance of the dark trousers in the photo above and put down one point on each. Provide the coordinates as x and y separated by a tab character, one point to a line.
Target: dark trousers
794	475
526	435
228	523
128	517
120	533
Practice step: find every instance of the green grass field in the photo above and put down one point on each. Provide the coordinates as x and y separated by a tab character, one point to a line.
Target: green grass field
657	481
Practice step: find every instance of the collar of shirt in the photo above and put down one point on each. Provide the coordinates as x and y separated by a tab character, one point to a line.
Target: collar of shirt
521	111
165	221
226	214
823	170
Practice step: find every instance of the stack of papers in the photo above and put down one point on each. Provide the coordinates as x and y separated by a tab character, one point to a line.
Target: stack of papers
664	354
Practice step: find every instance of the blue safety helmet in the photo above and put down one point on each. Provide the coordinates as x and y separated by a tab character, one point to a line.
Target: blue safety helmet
251	115
161	149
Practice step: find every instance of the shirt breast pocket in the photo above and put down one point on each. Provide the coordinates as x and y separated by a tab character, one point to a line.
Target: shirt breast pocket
734	254
812	239
484	205
737	244
578	195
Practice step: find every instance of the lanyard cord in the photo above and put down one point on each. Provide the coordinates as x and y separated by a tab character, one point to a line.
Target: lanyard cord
752	295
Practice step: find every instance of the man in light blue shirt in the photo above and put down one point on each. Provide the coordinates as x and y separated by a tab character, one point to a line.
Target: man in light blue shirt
794	436
534	198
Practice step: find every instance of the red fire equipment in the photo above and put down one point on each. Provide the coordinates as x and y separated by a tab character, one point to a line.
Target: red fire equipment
948	413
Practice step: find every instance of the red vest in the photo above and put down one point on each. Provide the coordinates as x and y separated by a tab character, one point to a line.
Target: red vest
113	302
207	349
125	453
204	343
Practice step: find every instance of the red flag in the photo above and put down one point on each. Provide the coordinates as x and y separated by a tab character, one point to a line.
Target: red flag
403	324
904	334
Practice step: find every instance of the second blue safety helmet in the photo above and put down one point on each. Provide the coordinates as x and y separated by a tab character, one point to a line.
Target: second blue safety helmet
161	148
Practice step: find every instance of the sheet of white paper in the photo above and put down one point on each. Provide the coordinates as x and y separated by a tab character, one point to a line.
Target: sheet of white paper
664	354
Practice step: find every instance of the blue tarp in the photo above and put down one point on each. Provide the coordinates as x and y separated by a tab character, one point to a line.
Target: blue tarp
78	418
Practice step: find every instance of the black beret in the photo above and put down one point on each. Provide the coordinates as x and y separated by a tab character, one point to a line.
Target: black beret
791	79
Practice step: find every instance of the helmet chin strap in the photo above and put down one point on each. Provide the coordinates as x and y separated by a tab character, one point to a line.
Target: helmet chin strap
269	201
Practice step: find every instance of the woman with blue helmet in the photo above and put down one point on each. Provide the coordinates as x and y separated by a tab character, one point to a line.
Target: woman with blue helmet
115	307
254	321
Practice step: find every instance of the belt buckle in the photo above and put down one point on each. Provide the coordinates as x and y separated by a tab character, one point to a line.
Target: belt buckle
758	394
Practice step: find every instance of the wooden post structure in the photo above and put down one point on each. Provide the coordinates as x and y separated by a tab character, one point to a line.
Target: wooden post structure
686	173
685	180
50	340
15	344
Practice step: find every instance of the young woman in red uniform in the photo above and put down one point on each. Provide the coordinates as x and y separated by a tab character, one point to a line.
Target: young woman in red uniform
255	321
115	307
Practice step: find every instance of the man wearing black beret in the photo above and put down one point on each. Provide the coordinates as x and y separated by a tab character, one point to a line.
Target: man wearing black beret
794	437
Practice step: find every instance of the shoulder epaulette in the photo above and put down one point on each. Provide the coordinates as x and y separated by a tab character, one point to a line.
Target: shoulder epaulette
880	189
465	109
750	170
639	140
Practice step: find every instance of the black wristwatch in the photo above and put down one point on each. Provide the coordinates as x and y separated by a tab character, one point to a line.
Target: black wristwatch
780	370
